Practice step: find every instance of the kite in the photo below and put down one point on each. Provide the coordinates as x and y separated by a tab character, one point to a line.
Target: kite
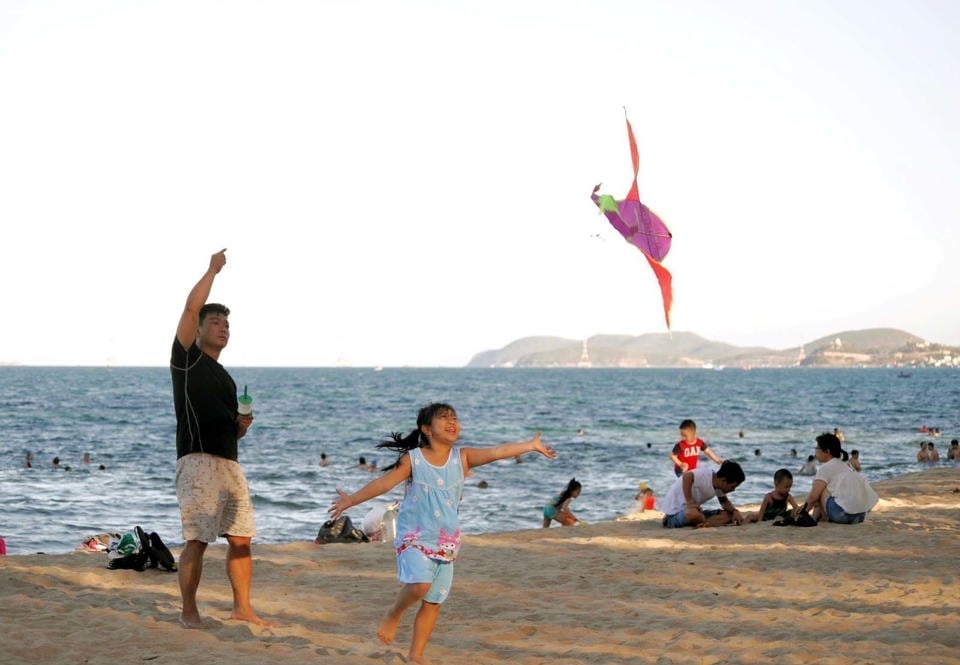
640	227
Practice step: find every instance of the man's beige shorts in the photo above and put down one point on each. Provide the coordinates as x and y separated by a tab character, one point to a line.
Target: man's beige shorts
214	498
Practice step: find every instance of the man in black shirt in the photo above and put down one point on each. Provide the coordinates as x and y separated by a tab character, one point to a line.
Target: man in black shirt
211	486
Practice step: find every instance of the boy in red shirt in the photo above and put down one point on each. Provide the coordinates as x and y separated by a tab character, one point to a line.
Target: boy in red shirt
686	453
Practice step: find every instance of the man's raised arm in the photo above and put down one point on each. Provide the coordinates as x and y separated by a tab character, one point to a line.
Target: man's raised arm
190	319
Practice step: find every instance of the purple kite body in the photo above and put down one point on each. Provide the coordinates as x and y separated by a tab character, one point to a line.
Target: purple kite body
640	227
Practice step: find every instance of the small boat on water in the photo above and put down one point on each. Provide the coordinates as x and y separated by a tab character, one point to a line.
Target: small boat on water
903	375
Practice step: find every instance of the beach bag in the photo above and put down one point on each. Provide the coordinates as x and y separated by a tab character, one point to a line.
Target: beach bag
138	551
803	518
127	554
340	530
159	554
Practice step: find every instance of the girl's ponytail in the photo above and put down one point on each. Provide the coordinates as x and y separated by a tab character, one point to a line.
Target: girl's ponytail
402	444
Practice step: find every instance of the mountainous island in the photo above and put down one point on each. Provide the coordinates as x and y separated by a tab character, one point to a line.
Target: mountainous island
875	347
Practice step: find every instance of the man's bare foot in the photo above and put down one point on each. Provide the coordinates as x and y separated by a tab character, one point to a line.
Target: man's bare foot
388	629
248	615
419	660
191	620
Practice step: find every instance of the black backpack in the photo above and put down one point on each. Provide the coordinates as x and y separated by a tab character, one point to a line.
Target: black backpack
340	530
151	553
803	518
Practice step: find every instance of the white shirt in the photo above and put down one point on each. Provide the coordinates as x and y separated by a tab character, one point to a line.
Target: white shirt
701	492
850	489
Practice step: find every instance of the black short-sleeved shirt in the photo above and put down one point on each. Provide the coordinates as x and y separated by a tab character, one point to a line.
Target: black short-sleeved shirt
205	401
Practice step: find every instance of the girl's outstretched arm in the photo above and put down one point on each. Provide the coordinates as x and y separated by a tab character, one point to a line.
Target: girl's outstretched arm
374	488
480	456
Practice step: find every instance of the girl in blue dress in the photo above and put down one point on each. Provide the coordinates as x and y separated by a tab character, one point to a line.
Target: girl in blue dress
428	536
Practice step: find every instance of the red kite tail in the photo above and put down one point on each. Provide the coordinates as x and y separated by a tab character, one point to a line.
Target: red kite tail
666	286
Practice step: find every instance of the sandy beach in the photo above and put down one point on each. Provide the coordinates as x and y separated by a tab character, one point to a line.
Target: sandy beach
885	591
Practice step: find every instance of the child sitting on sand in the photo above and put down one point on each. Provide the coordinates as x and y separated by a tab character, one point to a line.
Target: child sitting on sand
645	498
559	506
775	503
428	537
643	501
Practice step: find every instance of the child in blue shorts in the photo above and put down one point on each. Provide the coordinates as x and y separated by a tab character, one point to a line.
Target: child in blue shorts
428	536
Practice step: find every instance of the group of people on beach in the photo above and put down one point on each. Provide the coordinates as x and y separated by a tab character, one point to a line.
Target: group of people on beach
839	493
214	497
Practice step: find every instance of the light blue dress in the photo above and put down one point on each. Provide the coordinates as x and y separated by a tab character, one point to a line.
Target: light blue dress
428	535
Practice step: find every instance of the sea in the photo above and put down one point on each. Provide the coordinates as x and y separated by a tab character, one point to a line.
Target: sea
123	417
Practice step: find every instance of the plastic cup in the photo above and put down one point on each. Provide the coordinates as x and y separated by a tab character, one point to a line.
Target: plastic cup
244	403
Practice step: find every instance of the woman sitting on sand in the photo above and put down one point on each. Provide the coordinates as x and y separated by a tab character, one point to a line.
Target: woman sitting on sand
839	493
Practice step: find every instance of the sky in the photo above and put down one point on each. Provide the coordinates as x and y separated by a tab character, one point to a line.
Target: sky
407	183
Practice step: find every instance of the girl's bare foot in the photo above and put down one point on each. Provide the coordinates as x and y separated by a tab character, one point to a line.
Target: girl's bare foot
419	660
248	615
388	629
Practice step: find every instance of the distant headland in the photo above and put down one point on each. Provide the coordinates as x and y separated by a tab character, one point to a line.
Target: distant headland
874	347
